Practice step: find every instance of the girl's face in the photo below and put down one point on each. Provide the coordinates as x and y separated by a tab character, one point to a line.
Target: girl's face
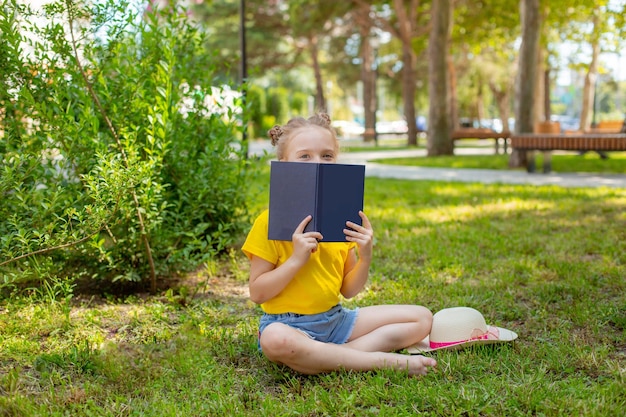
311	144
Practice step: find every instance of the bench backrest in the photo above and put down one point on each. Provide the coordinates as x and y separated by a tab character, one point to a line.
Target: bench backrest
547	127
615	125
608	126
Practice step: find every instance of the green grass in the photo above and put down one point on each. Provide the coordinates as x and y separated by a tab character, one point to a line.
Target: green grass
383	146
561	162
546	262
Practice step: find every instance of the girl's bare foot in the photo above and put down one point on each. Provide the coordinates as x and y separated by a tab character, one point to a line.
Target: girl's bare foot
414	364
418	364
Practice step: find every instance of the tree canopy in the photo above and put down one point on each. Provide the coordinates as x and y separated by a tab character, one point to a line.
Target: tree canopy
321	41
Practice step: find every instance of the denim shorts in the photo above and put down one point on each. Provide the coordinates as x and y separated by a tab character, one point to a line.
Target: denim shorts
332	326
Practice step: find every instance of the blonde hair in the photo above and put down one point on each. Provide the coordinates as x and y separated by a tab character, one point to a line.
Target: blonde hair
281	135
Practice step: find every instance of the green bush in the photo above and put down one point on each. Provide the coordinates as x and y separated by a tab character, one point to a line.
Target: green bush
298	104
255	105
278	104
120	158
268	122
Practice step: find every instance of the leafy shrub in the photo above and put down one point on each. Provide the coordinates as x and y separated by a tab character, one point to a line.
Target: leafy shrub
120	159
268	122
298	103
278	103
256	109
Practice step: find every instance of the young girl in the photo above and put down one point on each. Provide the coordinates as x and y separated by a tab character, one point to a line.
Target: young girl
298	284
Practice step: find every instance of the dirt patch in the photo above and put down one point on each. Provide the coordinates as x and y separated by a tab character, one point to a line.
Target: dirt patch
222	285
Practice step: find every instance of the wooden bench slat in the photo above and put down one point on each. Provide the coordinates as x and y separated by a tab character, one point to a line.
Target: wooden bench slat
566	142
575	142
473	133
479	134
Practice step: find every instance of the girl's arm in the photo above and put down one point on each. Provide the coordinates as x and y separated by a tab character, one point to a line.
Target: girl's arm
267	280
357	271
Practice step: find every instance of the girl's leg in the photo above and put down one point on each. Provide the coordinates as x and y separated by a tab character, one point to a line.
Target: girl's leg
389	328
288	346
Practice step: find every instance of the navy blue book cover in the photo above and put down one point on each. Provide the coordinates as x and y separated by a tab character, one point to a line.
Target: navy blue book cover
331	193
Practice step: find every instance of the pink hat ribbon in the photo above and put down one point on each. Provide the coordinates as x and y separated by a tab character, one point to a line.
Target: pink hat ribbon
491	334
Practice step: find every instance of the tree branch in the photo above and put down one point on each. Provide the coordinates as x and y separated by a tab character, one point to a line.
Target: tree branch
40	251
70	244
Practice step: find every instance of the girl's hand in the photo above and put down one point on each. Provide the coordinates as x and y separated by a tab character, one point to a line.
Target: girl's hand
362	235
304	244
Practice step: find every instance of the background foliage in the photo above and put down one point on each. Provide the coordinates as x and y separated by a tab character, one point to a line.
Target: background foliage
119	149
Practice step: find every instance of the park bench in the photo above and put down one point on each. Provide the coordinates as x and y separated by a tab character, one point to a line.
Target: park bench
548	142
480	133
607	126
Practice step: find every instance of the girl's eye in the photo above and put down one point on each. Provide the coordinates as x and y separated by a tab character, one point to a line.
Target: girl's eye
304	156
329	156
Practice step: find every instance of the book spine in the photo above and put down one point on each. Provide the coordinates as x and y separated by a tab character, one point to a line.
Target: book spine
315	223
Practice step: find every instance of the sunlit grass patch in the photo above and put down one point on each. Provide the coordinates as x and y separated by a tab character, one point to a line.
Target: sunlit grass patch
561	162
546	262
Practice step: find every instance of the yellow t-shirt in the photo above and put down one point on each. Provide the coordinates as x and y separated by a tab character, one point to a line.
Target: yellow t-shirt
316	286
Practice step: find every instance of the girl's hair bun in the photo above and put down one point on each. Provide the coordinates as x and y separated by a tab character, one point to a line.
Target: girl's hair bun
323	119
275	133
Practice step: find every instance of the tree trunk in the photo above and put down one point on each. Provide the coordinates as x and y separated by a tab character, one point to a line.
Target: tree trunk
502	101
454	106
406	32
547	111
320	101
589	88
480	100
538	110
368	77
363	20
501	93
408	92
439	129
526	75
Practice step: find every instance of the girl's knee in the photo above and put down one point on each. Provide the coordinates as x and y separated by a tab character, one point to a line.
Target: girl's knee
277	342
423	320
424	316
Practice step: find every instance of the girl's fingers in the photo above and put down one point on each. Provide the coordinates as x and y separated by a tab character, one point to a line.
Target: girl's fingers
315	235
355	228
366	221
302	225
306	242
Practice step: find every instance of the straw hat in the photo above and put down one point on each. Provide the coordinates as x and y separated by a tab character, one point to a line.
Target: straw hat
459	327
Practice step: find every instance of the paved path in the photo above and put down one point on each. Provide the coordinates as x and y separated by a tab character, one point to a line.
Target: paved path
486	176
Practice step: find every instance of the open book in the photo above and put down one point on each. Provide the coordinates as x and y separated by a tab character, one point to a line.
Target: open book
331	193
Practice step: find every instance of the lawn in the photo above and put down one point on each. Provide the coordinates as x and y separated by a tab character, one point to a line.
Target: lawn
561	162
546	262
